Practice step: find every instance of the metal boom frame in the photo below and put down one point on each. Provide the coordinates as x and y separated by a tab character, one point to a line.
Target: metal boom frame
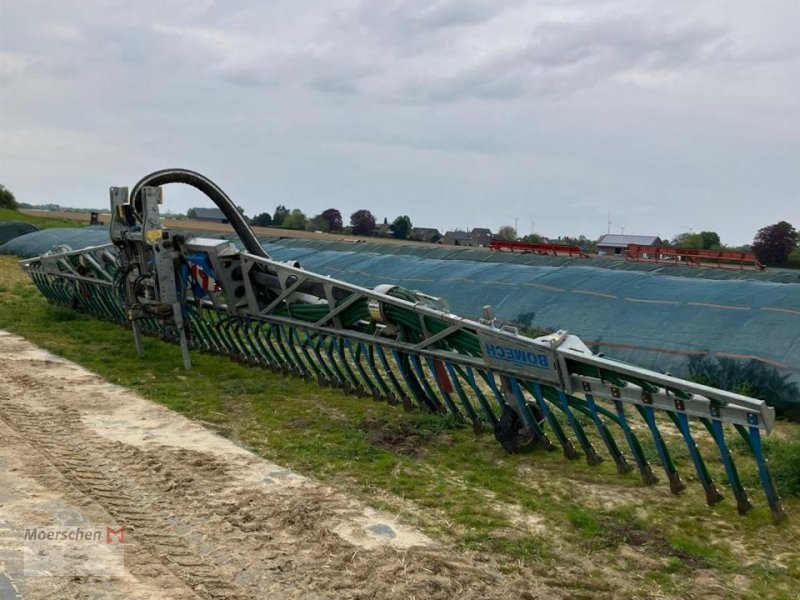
393	344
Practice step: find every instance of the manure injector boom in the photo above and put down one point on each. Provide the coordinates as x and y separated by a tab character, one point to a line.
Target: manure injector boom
401	346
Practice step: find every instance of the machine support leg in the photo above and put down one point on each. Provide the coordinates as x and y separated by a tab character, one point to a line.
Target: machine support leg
137	338
184	342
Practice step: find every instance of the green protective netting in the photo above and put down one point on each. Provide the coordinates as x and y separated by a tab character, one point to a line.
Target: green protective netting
484	255
12	229
37	242
655	321
639	316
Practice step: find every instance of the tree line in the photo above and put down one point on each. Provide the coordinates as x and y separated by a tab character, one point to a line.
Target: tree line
777	244
362	222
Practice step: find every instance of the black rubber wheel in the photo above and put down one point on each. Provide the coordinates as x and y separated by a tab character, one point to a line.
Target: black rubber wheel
513	433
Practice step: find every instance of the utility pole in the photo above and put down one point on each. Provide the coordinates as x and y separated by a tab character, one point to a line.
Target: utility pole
516	222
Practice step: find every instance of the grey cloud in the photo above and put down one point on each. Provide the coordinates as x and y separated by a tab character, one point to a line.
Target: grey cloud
628	40
565	57
556	57
684	107
412	17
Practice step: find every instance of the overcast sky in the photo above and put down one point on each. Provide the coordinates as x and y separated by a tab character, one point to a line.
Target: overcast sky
671	115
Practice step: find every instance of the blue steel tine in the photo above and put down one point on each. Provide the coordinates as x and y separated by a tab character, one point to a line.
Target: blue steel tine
365	350
743	505
402	395
327	374
525	411
219	325
303	344
773	499
246	339
199	329
487	409
566	443
718	433
246	334
645	470
274	343
602	431
445	395
256	351
98	297
216	323
357	376
313	342
676	486
462	395
232	327
415	363
234	349
252	337
207	331
268	331
277	333
196	340
334	366
488	376
341	375
591	454
213	333
223	324
287	343
212	324
90	301
361	357
302	368
352	383
367	383
417	394
266	341
712	493
368	351
199	336
306	343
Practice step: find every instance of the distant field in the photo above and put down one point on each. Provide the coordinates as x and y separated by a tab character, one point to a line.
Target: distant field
43	219
47	219
194	225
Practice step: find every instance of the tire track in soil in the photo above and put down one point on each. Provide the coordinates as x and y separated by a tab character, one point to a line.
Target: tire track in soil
194	526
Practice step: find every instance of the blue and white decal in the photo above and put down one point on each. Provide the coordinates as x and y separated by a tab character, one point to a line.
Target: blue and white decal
517	355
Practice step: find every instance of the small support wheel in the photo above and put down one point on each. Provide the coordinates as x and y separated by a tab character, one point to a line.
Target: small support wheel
513	433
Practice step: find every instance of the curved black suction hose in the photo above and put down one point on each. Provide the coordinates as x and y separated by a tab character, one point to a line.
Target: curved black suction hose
210	189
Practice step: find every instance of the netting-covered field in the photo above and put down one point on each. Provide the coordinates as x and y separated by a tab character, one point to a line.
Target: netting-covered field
483	255
12	229
35	243
642	317
638	315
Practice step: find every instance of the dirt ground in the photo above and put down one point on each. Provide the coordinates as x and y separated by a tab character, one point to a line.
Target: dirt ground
203	517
